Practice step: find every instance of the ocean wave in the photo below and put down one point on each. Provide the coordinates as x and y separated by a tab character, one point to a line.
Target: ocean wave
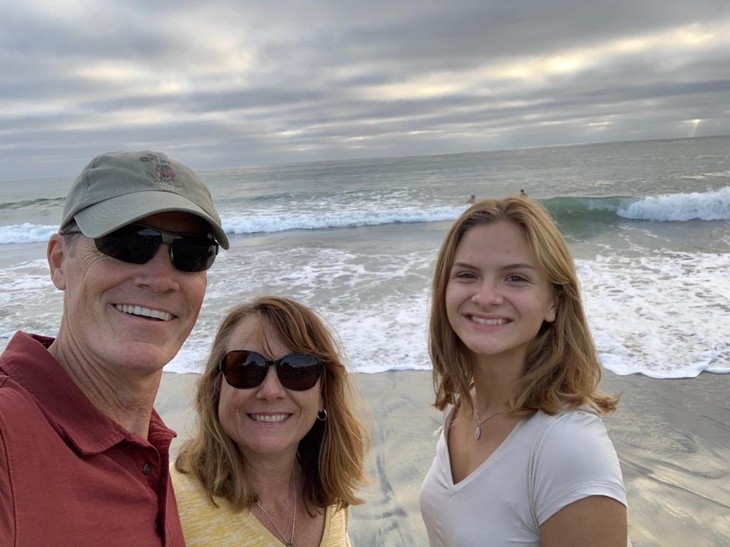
569	211
271	222
713	205
30	203
26	233
267	222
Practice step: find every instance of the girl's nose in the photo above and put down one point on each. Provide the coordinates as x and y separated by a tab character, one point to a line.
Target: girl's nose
487	295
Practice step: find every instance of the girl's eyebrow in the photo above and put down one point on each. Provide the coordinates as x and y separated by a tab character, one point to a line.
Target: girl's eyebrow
518	266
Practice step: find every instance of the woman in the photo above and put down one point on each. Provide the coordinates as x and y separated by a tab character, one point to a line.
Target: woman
523	457
278	451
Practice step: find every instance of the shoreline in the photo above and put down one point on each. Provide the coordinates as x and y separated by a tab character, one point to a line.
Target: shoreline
672	438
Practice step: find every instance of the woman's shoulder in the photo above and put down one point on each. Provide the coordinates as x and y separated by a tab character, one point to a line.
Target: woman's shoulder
335	531
207	523
184	482
191	495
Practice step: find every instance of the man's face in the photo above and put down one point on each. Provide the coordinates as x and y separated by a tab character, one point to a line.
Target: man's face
120	316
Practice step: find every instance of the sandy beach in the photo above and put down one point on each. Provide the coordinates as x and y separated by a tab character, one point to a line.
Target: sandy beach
672	436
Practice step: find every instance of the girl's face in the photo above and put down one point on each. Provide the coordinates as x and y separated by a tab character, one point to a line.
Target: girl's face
497	296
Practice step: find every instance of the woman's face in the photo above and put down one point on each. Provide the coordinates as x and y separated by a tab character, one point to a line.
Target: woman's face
497	295
269	420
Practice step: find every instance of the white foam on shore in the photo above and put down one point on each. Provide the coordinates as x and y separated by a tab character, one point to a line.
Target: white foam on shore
376	305
664	314
656	314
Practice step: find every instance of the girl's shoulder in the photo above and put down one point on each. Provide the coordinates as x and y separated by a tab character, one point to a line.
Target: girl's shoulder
565	422
570	436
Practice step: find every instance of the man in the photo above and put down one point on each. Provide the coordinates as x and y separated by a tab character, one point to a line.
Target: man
83	454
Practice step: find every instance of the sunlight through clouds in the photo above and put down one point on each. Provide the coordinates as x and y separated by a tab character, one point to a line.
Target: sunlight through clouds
694	124
259	83
538	69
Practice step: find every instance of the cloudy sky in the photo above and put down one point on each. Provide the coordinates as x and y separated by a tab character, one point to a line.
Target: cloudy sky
224	83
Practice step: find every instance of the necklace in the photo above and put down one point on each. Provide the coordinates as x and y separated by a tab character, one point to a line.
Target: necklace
288	542
478	430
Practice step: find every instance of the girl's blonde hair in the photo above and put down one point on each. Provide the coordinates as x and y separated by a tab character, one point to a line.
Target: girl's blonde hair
562	366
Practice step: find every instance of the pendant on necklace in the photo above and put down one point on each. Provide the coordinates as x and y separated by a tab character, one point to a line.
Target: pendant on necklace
478	430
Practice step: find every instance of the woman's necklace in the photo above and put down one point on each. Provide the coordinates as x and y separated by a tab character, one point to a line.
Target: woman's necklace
288	542
478	430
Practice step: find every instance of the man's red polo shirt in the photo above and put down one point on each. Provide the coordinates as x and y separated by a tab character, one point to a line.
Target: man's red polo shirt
70	475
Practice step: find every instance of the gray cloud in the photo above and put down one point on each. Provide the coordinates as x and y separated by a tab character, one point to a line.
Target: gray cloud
227	83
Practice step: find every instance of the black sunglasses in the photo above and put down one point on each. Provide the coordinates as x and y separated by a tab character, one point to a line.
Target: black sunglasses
245	369
138	244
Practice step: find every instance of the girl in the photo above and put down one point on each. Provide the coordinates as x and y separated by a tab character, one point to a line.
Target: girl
523	457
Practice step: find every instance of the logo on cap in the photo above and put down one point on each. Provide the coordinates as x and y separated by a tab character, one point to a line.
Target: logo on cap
164	172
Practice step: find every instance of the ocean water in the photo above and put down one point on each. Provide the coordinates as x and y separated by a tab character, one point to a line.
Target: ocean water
648	224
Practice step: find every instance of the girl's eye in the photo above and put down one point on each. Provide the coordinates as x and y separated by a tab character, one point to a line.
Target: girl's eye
464	275
515	278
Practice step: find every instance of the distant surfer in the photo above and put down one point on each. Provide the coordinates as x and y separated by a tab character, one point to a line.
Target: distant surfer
522	193
472	199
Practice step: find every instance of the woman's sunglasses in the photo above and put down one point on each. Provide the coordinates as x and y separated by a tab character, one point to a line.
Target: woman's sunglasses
245	369
138	244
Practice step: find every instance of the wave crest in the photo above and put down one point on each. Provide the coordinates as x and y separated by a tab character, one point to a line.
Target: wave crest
713	205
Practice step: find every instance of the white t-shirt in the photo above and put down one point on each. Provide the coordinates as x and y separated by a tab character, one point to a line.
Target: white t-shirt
545	463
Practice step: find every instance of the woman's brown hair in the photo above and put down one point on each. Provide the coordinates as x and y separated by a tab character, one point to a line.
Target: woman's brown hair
331	454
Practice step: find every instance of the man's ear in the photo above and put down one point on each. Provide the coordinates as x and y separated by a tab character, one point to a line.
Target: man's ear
57	253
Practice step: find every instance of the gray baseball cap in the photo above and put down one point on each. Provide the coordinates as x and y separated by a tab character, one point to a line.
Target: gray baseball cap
119	188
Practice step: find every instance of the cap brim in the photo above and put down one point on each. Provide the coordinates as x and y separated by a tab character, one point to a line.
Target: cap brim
107	216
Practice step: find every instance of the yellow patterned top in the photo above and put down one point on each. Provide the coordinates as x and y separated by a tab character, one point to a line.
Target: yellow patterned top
205	524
